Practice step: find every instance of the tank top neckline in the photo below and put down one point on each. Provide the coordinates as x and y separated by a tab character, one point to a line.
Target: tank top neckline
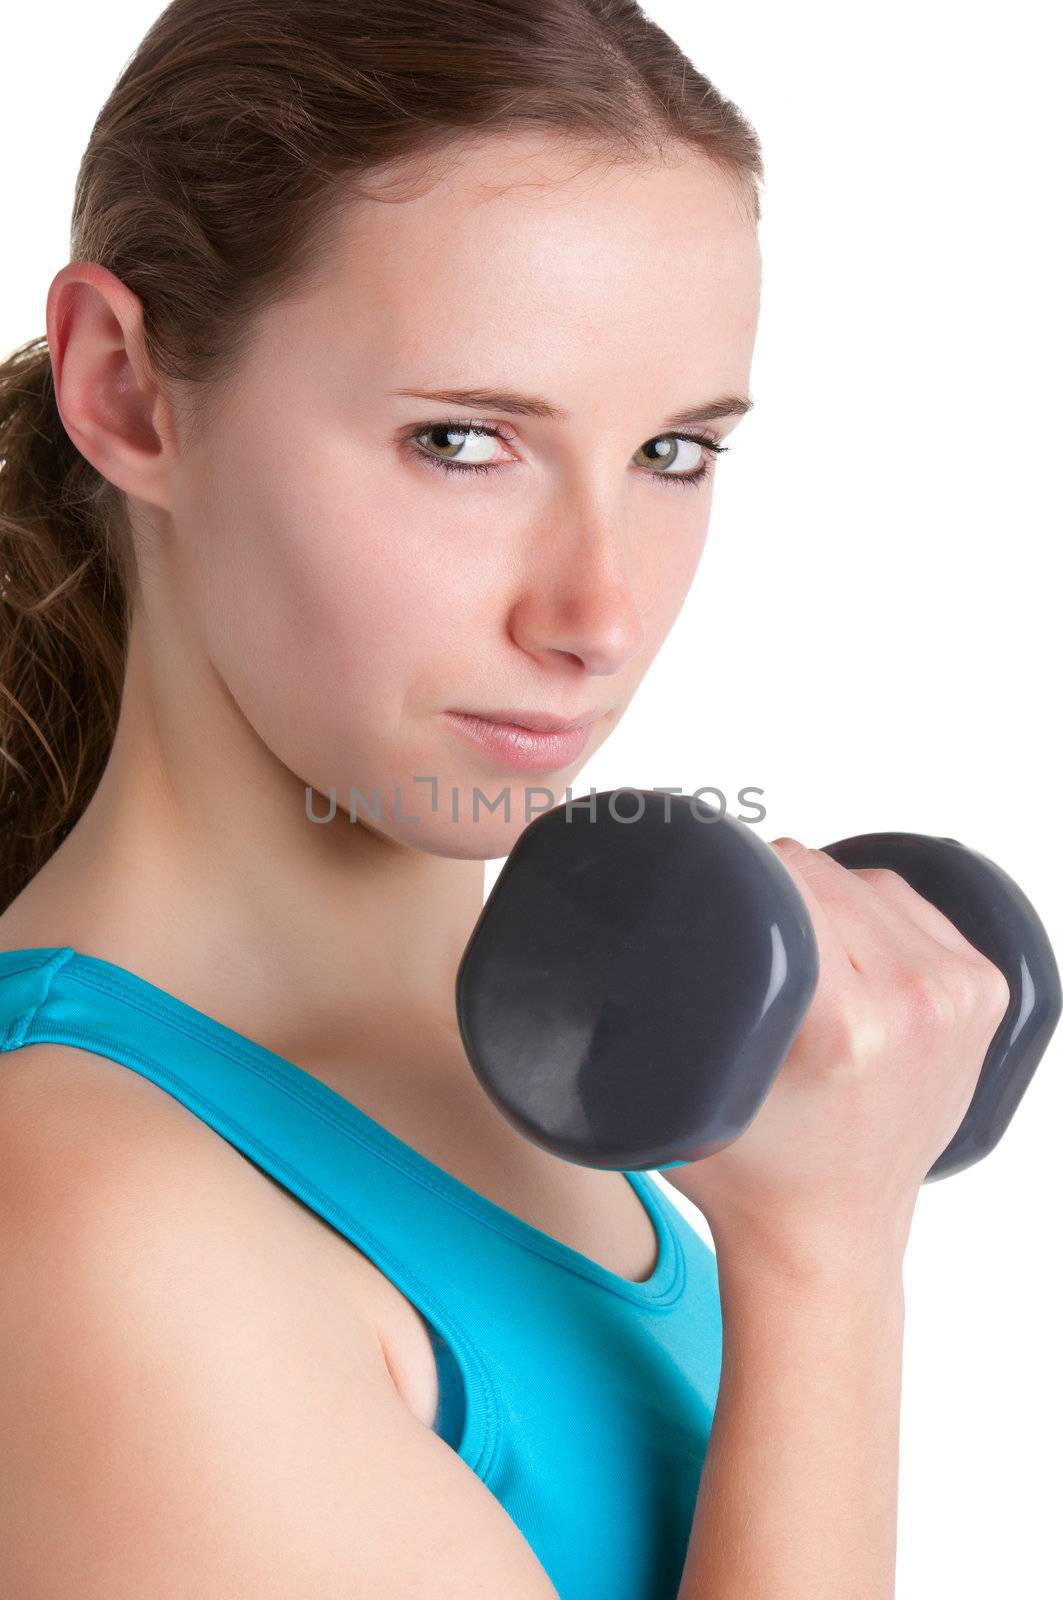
661	1290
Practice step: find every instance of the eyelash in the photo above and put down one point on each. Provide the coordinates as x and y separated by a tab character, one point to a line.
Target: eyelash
456	425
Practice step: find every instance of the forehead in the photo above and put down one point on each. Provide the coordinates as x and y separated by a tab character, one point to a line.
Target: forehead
562	249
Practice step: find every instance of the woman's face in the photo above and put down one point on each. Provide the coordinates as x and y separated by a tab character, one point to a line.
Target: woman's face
351	592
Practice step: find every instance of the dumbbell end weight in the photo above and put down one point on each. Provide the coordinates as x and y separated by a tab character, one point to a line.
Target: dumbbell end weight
635	979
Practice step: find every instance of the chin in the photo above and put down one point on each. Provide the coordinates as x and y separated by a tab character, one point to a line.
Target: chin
454	830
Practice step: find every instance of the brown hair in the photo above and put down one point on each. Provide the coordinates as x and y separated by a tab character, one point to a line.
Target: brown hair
234	138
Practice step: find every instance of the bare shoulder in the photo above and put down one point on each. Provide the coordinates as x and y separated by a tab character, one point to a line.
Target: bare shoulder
101	1157
79	1130
103	1166
76	1123
191	1430
76	1126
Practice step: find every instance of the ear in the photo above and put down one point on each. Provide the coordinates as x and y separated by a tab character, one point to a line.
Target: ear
109	399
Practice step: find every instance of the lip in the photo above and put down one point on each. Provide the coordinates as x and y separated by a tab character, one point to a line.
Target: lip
537	721
524	748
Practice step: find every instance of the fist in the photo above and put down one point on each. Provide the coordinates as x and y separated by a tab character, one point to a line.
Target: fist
879	1076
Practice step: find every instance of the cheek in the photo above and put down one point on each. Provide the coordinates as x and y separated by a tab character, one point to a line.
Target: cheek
325	600
669	557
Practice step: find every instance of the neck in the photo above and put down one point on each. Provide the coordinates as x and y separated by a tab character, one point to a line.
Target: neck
196	865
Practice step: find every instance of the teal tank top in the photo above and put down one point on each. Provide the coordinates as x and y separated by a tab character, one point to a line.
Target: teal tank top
582	1400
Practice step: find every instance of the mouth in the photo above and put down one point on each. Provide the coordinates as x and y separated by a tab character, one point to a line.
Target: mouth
536	721
552	744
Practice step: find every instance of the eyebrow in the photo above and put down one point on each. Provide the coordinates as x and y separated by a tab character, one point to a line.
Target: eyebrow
530	405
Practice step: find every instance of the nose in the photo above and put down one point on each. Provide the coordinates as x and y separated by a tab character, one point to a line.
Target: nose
576	597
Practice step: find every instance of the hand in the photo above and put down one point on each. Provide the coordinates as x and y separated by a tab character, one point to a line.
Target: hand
877	1081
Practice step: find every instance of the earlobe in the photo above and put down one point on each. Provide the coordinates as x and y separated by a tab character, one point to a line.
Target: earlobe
104	387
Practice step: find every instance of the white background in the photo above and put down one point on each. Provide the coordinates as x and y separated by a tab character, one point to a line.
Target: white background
873	637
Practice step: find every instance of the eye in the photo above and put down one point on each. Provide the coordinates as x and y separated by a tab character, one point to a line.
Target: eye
454	436
664	449
450	437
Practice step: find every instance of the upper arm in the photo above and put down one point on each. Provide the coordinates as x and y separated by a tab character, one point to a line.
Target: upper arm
171	1431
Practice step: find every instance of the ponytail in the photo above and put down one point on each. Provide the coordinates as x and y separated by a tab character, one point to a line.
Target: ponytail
63	620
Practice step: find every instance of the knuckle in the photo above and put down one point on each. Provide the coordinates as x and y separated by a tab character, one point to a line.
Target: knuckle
788	846
885	876
853	1037
964	986
928	1004
994	991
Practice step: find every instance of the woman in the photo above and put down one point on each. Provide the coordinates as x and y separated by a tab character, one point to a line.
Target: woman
380	399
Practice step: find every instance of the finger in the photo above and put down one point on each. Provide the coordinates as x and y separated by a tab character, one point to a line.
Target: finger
870	925
831	943
898	892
